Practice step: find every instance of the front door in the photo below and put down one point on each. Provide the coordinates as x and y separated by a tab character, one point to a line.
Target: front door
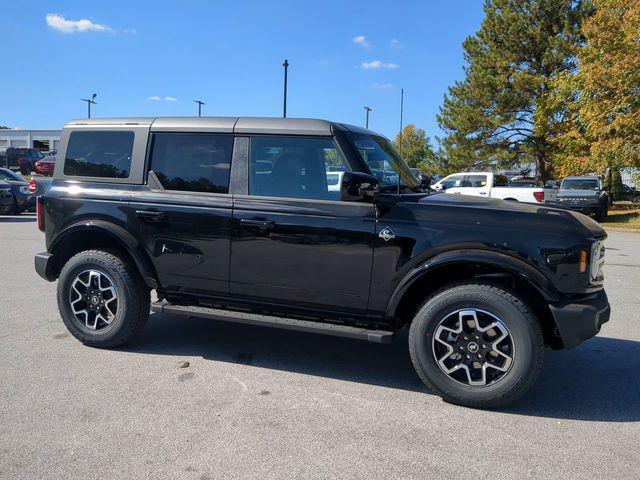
293	240
183	215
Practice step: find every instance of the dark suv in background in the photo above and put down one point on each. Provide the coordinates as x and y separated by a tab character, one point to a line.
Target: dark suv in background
21	160
586	195
226	215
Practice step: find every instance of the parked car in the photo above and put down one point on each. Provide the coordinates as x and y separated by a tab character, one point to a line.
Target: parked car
22	198
6	198
482	285
45	166
491	185
586	195
21	159
629	194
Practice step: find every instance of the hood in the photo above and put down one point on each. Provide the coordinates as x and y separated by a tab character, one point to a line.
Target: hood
568	193
516	214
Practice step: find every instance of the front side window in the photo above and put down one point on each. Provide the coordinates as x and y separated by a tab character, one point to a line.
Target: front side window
99	154
296	167
453	181
384	162
198	162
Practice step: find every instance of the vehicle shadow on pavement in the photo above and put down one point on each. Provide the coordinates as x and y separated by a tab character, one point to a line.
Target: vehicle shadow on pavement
386	365
596	381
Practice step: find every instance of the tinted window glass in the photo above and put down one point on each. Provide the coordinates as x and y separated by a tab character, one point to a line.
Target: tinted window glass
296	167
453	181
192	162
476	181
500	181
99	154
580	183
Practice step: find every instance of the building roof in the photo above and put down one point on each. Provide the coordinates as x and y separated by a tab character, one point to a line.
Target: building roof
267	125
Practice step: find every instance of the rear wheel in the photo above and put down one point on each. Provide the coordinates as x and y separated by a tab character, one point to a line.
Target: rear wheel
476	345
602	213
102	300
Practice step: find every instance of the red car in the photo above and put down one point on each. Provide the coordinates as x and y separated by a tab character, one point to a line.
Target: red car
46	165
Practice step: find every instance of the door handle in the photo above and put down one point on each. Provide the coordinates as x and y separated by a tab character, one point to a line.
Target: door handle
260	224
482	193
151	215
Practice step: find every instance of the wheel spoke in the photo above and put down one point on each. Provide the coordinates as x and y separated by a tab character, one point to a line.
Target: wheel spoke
467	346
93	299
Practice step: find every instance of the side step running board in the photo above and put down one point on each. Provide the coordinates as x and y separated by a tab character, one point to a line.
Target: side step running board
376	336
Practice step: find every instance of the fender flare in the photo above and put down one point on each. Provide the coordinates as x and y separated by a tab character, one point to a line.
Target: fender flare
118	234
485	257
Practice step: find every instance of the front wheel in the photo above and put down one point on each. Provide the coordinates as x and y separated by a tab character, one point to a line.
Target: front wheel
476	345
102	300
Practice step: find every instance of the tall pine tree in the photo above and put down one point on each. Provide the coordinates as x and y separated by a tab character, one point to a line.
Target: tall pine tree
492	116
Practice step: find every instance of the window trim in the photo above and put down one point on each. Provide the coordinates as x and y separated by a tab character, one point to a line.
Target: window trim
148	163
133	141
141	134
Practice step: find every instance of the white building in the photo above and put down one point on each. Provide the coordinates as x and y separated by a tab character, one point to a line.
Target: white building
43	140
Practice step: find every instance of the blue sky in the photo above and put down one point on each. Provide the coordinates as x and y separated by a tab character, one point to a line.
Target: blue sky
147	58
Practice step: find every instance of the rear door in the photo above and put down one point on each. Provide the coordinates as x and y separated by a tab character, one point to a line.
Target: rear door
293	241
183	214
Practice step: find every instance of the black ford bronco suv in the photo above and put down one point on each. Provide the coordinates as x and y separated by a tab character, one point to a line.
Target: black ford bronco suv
315	226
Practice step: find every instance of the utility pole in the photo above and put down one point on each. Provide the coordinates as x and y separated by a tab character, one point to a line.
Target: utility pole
401	113
400	136
286	68
200	103
366	124
90	101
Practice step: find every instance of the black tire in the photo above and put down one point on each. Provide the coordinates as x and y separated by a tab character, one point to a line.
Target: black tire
524	329
602	213
133	299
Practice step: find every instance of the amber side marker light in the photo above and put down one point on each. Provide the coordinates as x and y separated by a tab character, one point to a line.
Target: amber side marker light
583	261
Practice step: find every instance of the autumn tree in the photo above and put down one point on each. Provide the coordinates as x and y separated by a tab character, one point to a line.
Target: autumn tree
601	127
492	116
415	147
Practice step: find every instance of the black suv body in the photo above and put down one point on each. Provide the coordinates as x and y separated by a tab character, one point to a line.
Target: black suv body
220	215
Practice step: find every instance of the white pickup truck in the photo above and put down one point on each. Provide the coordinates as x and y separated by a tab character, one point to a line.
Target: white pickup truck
491	185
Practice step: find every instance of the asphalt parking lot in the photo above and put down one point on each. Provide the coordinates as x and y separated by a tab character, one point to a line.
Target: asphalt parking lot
261	403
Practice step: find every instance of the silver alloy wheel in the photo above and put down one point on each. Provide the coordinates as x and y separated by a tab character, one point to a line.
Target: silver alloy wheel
473	347
93	299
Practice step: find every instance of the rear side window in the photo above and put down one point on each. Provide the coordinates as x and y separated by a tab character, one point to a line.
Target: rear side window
198	162
99	154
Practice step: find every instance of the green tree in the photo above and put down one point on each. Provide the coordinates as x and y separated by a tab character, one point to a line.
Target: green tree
602	98
415	146
492	117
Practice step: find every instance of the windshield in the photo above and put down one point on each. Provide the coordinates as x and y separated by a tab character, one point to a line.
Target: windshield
11	175
384	162
580	184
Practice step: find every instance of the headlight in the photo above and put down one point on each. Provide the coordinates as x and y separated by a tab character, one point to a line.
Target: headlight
597	260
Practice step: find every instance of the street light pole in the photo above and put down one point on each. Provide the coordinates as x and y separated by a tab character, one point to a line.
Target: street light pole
200	103
286	68
366	124
90	101
400	136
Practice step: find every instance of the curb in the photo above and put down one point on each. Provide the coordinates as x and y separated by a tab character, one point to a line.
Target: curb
620	229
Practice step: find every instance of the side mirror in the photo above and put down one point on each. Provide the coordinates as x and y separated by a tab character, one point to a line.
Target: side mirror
425	181
358	187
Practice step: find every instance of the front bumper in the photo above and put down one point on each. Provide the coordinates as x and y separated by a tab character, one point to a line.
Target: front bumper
579	321
45	266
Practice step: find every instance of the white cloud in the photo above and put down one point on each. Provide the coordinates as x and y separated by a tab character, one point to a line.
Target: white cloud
395	43
171	99
323	62
373	64
383	86
362	41
155	98
61	24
